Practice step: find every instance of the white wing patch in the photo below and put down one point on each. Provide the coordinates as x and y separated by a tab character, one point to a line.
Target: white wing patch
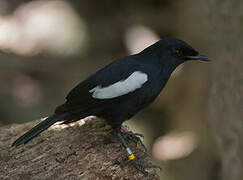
133	82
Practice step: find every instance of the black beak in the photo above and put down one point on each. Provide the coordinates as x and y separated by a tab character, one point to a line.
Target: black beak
198	57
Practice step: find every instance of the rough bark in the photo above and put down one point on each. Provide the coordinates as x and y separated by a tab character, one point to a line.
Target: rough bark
87	152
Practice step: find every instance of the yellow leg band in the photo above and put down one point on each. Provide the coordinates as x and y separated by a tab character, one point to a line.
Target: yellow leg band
131	157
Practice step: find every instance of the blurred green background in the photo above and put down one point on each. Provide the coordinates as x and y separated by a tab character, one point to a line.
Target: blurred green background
47	47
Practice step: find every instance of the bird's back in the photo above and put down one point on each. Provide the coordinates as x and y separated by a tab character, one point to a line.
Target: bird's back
80	100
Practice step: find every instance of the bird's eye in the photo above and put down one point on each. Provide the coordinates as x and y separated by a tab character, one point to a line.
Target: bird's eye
178	52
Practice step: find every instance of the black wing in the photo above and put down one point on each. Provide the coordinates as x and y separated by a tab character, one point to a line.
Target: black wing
80	99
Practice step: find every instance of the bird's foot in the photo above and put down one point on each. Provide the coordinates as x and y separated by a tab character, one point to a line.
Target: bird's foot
131	136
140	164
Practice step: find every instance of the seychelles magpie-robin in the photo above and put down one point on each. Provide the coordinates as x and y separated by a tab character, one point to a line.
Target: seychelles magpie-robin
121	89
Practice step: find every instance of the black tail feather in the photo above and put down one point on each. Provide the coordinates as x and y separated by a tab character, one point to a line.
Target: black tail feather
38	129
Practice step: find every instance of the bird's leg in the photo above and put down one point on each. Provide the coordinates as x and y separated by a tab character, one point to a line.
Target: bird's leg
135	137
138	163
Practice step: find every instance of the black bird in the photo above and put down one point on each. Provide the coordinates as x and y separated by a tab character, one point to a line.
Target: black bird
121	89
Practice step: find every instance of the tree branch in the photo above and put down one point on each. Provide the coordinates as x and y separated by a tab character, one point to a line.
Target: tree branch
90	151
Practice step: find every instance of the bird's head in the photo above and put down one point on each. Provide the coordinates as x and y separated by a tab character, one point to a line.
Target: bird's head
178	50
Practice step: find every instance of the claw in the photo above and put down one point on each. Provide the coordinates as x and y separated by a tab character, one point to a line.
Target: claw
135	137
138	134
140	165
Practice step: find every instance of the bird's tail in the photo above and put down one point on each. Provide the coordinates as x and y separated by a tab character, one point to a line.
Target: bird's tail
38	129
